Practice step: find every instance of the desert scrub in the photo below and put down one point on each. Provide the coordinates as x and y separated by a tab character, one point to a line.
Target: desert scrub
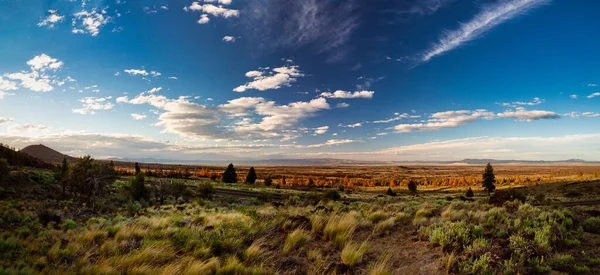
69	225
294	240
450	235
562	262
209	266
479	265
352	254
383	226
496	216
339	229
592	225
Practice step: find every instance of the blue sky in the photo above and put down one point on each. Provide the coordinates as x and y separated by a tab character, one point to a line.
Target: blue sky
257	79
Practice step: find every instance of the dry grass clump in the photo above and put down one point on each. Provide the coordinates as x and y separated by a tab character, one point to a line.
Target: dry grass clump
254	252
352	254
381	267
317	222
295	239
383	226
378	216
340	228
452	213
209	266
157	253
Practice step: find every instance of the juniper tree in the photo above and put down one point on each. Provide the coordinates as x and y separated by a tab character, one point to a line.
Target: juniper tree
412	186
137	168
63	174
469	193
489	179
251	177
138	187
230	176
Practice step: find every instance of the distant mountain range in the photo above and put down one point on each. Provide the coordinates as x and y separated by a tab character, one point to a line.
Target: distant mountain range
50	155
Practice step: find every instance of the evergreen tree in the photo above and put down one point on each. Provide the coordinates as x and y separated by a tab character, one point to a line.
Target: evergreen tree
230	176
412	186
251	177
138	187
268	181
489	179
137	168
63	174
469	193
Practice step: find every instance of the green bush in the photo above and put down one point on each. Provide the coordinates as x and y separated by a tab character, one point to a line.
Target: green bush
205	190
592	225
138	189
562	262
450	235
69	225
40	177
10	247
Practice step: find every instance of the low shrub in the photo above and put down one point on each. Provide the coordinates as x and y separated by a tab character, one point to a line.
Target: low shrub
562	262
501	196
69	225
592	225
450	235
333	195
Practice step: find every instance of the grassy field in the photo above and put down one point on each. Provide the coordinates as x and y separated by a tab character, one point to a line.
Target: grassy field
312	231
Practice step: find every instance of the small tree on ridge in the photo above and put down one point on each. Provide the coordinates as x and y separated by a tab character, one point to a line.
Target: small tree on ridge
230	176
489	179
251	177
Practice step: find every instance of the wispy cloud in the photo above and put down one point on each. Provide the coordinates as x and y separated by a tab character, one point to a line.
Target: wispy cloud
488	18
594	95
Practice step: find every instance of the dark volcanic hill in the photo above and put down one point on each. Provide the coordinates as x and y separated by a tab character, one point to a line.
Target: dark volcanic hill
46	154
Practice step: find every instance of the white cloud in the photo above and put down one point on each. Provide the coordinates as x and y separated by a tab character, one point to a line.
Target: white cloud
90	21
50	20
138	116
229	38
216	11
203	19
594	95
282	76
397	116
173	77
344	94
5	120
573	96
136	72
584	114
321	130
93	104
5	86
331	142
355	125
155	73
37	80
43	62
342	105
29	128
535	101
592	85
154	90
485	20
117	73
448	119
528	115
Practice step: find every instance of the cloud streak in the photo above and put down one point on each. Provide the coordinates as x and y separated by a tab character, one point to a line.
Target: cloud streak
484	21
